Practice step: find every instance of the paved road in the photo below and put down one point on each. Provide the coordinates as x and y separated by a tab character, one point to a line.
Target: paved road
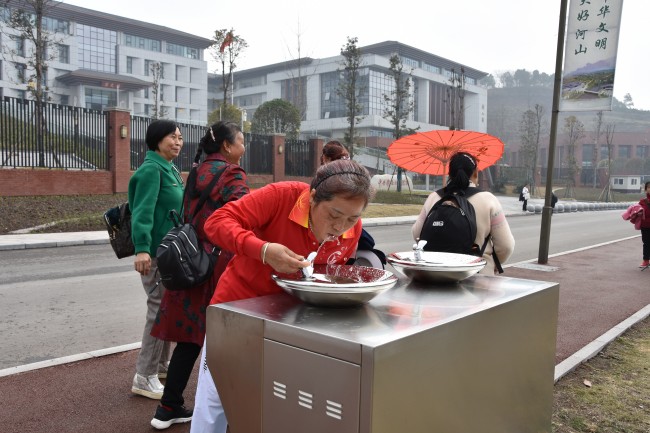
58	302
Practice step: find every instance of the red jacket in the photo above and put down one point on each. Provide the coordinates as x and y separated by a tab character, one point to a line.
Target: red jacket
645	204
277	213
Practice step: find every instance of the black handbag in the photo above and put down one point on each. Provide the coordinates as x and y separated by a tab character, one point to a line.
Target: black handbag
183	262
118	224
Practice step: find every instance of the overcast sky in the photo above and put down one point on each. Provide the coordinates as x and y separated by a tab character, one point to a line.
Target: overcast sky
491	36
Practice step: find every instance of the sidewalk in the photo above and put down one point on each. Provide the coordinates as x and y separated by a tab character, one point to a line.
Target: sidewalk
597	304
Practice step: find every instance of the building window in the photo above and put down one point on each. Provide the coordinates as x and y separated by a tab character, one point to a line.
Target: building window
98	99
65	100
64	53
19	46
147	67
183	51
56	25
129	65
21	94
96	48
21	74
143	43
625	151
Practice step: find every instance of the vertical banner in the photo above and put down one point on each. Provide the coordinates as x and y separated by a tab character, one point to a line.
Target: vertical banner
590	55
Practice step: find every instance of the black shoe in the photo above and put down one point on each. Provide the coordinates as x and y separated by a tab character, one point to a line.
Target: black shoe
165	417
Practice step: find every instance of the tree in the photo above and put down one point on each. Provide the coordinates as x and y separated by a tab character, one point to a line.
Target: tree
399	104
575	131
226	49
627	101
522	78
226	113
506	79
158	74
594	159
277	116
606	194
530	129
350	89
488	81
25	25
456	98
296	88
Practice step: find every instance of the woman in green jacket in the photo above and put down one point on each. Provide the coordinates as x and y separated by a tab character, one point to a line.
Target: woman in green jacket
154	189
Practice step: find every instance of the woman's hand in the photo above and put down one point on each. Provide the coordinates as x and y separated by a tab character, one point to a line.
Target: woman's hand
142	263
282	259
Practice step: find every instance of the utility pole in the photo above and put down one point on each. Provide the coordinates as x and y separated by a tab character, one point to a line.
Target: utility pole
547	212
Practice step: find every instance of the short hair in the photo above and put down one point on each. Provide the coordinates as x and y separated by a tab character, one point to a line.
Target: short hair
157	130
334	150
343	177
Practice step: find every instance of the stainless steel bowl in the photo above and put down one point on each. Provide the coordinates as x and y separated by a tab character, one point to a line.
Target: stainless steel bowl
436	267
338	285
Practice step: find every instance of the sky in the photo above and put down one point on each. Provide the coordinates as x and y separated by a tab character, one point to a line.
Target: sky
491	36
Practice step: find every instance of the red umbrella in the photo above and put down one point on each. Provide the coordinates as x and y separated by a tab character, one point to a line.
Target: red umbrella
429	152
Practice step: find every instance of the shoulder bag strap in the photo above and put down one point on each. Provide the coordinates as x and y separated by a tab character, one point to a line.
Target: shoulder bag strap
497	262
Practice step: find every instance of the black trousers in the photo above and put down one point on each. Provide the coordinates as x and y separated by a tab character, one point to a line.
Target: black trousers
525	204
180	369
645	237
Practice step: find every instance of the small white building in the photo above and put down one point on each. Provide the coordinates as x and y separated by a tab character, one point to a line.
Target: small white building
626	183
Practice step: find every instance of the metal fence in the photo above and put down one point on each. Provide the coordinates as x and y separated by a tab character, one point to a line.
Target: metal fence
73	138
256	160
298	158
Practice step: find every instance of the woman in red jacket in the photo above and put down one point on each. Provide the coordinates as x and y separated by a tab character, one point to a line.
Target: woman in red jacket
645	227
272	230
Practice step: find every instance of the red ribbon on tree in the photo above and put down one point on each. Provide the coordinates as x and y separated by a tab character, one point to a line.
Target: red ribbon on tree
226	41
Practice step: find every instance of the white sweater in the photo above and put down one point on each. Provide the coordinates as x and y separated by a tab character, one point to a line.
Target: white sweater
490	219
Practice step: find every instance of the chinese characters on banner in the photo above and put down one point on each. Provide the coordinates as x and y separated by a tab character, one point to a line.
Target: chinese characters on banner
590	55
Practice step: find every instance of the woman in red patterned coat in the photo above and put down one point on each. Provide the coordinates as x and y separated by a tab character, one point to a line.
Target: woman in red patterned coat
181	317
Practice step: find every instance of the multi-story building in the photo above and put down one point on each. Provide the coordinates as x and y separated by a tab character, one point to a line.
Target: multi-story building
312	85
99	60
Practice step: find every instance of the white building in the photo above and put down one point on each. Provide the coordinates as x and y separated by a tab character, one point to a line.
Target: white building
324	109
105	60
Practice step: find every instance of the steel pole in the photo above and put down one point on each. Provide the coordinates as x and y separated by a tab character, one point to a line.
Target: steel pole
547	212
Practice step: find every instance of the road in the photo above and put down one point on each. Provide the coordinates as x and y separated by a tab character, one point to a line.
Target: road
62	301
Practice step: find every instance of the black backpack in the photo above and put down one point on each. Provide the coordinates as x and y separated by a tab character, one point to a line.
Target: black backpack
450	226
183	262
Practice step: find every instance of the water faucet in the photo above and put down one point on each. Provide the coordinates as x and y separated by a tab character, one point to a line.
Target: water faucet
417	249
309	270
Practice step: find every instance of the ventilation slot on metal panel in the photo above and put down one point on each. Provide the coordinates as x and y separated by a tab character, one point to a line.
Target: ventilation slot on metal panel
305	399
334	409
280	390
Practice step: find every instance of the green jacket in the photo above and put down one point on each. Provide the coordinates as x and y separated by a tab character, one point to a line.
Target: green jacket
154	189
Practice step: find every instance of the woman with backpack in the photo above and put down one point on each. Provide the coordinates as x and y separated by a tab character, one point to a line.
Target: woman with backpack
492	228
181	317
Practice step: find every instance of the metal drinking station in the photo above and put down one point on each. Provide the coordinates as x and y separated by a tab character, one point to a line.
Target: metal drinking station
474	356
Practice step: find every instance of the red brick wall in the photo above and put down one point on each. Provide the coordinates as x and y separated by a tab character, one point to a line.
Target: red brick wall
26	182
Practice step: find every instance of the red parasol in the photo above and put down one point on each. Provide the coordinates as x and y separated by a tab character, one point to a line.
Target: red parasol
429	152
